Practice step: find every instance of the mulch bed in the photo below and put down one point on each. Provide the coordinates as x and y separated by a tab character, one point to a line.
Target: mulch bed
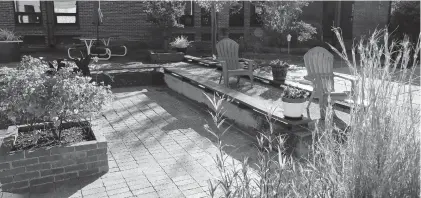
45	138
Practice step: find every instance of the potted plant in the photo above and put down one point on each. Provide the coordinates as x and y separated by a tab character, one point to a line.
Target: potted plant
9	45
294	100
180	44
279	70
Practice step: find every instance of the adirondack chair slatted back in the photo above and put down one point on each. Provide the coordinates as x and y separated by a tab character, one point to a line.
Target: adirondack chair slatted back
319	64
227	50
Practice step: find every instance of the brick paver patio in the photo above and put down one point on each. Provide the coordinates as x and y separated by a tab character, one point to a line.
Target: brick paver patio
157	146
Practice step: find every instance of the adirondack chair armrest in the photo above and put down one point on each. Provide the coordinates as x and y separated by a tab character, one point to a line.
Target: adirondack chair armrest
223	64
251	65
346	77
352	79
309	78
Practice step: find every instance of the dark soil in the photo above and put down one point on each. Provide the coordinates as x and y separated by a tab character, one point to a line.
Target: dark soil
45	138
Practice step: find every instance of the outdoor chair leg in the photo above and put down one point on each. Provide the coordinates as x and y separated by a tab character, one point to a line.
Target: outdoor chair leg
226	80
251	80
220	79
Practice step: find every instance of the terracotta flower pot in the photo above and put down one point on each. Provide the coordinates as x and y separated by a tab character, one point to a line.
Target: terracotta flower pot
279	72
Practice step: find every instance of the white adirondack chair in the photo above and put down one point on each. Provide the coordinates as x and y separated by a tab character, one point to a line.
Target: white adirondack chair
227	50
319	65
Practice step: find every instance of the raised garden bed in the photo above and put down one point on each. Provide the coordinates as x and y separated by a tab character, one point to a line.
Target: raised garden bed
136	77
10	51
159	56
24	166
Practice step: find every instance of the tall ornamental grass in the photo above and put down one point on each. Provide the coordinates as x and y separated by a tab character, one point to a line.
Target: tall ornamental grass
378	155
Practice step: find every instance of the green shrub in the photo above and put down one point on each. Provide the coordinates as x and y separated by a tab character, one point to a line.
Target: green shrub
30	94
378	156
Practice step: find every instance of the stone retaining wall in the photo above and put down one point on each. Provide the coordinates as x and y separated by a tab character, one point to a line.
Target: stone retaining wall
40	168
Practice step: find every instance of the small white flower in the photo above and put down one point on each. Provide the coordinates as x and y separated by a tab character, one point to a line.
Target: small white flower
95	59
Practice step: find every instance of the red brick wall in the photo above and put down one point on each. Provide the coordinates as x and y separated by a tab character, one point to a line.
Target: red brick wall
40	168
127	19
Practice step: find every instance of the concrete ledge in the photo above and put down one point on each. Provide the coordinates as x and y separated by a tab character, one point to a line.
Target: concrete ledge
42	167
247	112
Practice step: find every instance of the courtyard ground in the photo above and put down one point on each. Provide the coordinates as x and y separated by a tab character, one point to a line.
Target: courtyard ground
157	147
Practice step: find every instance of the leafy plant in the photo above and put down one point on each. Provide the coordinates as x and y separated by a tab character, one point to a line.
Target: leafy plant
7	35
284	17
278	63
294	93
180	42
30	94
164	13
82	64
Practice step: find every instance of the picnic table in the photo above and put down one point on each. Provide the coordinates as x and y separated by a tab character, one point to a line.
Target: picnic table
89	43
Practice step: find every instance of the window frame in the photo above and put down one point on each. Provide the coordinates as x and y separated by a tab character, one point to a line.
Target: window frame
76	15
204	13
255	20
184	16
18	14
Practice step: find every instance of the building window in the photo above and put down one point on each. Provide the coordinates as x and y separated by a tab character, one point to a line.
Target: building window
28	12
205	17
256	17
188	18
65	12
236	18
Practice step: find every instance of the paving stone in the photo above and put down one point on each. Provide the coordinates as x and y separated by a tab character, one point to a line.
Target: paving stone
93	191
144	191
189	186
118	191
193	191
115	186
101	194
149	195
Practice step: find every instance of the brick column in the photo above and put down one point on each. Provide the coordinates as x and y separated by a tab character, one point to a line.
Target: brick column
247	13
7	17
223	19
197	22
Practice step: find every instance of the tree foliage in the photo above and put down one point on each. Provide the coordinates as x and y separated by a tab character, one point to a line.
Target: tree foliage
284	17
405	18
279	16
164	13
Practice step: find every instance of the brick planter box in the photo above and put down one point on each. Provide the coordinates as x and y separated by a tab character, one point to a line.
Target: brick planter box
42	167
165	57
